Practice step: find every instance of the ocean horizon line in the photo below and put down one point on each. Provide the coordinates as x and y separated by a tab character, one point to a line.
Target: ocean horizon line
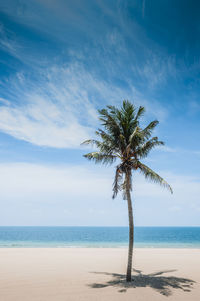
83	226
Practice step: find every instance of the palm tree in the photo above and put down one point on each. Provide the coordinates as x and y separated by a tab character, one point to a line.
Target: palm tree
124	139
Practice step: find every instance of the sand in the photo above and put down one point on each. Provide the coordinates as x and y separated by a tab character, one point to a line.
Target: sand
98	274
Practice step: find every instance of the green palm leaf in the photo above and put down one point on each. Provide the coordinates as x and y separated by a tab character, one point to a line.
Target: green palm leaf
98	157
144	150
153	176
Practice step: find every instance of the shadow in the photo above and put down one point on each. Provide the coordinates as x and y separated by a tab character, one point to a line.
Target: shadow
162	284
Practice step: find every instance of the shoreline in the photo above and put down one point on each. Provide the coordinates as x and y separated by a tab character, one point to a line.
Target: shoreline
14	246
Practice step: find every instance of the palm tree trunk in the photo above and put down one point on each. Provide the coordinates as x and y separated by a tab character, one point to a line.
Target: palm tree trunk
131	230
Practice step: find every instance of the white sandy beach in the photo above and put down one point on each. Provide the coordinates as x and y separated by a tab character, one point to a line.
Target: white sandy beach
97	274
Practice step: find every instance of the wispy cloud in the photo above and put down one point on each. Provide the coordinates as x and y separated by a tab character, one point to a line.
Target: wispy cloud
59	108
58	19
155	71
178	150
8	42
168	149
55	111
14	45
56	105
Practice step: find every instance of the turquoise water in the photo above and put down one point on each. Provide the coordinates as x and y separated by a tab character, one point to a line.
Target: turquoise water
153	237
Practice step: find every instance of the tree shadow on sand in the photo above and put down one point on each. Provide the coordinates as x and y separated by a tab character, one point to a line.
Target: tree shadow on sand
160	283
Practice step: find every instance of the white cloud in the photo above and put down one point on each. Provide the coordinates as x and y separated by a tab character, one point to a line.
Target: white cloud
175	209
43	123
57	21
177	150
155	71
83	195
168	149
55	111
49	183
59	109
42	195
8	42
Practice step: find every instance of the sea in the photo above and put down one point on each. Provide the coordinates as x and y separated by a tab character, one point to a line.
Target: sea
99	237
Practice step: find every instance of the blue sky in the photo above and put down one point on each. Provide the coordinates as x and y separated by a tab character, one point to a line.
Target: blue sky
60	62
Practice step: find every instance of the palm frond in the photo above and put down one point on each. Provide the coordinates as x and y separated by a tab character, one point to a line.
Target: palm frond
143	151
91	142
140	112
128	109
107	138
109	121
136	137
104	147
149	129
153	176
127	120
99	157
117	184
